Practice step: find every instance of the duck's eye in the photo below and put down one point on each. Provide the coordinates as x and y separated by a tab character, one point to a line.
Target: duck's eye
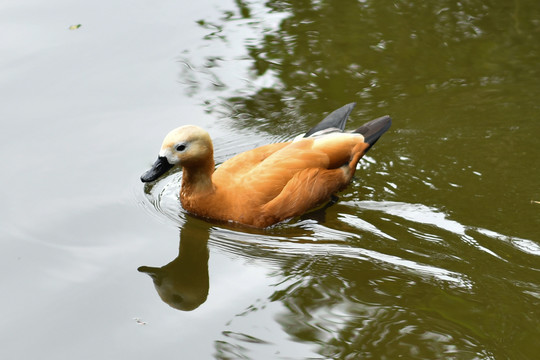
181	147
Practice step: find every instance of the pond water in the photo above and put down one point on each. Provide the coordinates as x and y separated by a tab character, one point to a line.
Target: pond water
432	252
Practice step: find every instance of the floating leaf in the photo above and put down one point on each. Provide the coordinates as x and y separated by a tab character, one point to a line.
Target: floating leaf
139	321
75	27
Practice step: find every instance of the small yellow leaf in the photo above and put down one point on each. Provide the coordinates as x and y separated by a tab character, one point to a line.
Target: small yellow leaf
75	27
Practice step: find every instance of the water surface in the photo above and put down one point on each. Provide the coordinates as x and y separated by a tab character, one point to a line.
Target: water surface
431	252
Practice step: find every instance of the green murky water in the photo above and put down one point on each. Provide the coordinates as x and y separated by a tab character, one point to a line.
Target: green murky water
432	252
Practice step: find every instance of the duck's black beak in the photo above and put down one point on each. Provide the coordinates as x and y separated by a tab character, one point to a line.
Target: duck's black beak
160	167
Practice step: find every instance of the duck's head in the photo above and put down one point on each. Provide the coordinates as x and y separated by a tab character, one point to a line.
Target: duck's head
185	146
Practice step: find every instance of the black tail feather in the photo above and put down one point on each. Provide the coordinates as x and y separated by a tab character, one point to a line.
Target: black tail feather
336	119
374	129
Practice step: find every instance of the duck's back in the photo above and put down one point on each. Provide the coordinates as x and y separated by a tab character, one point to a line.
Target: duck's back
259	176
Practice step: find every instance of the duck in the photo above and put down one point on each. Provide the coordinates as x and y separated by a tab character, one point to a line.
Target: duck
271	183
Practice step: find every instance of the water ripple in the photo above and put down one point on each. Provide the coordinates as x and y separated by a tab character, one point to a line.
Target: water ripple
527	246
422	214
162	199
277	249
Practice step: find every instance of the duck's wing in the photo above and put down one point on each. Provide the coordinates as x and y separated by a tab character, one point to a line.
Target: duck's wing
237	166
304	191
294	161
310	179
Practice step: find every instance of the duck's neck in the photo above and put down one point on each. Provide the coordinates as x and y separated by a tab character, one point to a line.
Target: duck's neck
197	180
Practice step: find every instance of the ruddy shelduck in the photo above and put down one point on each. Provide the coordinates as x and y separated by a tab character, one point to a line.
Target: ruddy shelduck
271	183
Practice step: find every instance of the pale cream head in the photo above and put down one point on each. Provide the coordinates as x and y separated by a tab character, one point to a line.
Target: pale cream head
186	144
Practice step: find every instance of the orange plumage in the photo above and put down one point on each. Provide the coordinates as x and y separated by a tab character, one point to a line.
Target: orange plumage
271	183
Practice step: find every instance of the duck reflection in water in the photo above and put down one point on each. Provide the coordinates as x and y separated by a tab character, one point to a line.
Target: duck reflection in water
183	283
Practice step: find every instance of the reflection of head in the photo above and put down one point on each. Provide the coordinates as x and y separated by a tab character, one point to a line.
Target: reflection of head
183	283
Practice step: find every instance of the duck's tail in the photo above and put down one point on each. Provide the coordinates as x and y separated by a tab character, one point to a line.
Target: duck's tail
374	129
335	122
